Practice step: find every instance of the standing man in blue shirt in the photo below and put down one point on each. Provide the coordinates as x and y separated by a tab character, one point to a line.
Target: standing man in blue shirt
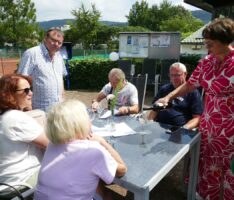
186	110
45	65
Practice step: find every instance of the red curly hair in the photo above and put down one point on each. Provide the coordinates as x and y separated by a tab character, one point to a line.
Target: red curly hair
8	87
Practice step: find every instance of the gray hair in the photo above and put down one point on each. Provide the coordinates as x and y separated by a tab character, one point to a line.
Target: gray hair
179	65
117	73
67	121
54	29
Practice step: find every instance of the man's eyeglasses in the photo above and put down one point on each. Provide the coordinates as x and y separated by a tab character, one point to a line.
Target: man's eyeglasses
54	40
26	90
175	75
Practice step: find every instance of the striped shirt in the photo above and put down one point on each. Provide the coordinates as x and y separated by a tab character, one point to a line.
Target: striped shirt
47	76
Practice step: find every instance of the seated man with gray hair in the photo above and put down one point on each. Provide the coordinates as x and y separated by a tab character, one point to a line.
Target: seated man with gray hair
127	95
185	110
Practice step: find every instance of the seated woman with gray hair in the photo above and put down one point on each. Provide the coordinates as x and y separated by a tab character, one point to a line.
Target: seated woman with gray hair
127	96
75	159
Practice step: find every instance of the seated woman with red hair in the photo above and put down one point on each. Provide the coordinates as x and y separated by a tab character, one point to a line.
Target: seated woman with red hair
22	138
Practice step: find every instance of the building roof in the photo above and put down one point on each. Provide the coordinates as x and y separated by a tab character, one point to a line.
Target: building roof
209	5
194	38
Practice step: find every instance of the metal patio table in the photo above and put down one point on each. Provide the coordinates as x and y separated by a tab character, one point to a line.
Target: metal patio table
150	160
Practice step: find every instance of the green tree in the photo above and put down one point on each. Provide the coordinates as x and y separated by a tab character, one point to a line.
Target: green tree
138	14
106	35
18	23
181	21
84	29
110	34
164	17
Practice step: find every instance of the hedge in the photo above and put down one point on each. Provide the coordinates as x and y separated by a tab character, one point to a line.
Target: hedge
92	73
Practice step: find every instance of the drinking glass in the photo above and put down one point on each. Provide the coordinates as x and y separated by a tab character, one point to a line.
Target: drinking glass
91	114
143	119
100	111
111	127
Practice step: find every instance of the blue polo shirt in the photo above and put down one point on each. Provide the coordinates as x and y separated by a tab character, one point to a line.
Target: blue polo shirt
183	107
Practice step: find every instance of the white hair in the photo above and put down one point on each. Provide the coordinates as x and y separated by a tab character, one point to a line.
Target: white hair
116	73
67	121
179	65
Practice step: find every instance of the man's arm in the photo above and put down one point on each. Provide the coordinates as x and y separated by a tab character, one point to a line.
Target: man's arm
126	110
41	141
95	102
26	64
192	123
196	110
134	103
152	115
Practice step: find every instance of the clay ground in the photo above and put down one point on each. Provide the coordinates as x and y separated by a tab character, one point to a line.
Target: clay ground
8	65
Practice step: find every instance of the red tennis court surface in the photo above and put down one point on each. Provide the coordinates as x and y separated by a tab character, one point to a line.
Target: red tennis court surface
8	65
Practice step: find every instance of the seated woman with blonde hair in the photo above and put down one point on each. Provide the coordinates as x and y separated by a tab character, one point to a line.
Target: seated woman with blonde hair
75	160
22	138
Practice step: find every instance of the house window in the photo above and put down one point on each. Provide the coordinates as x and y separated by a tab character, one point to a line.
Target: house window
196	47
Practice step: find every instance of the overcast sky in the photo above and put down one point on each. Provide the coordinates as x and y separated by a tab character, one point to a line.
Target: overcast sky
111	10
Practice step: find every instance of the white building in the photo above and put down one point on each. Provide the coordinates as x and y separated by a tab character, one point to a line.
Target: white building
65	27
194	44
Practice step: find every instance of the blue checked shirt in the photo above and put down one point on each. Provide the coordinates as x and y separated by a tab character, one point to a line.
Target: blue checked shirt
47	76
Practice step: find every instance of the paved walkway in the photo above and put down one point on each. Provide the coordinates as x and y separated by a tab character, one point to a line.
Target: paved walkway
85	96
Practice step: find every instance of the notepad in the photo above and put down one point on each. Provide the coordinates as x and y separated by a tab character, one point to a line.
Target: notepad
108	114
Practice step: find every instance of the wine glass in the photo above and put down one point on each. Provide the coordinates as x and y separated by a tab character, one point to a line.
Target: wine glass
91	114
100	111
111	127
143	119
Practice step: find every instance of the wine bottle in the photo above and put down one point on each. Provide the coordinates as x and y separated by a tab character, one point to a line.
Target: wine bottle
159	106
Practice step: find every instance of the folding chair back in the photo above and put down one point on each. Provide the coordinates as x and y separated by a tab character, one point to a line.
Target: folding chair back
149	67
125	65
140	81
21	192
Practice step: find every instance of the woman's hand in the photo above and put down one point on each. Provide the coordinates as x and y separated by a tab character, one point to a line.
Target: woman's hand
164	101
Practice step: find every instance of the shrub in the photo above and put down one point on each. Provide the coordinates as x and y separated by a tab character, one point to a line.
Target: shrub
90	73
190	61
93	73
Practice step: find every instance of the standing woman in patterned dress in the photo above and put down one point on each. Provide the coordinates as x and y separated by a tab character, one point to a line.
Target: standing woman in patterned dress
215	73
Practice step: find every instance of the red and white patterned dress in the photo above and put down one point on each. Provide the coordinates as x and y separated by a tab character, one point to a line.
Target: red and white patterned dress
216	181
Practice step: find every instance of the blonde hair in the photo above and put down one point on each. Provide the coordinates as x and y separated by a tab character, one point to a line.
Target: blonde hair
117	74
67	121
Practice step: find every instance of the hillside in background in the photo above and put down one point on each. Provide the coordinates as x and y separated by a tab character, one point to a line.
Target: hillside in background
54	23
200	14
60	22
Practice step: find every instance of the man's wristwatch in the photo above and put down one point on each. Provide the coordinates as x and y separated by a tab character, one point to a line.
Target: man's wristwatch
184	126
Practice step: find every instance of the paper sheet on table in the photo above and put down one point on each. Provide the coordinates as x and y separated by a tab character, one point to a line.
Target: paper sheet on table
102	131
108	114
121	129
